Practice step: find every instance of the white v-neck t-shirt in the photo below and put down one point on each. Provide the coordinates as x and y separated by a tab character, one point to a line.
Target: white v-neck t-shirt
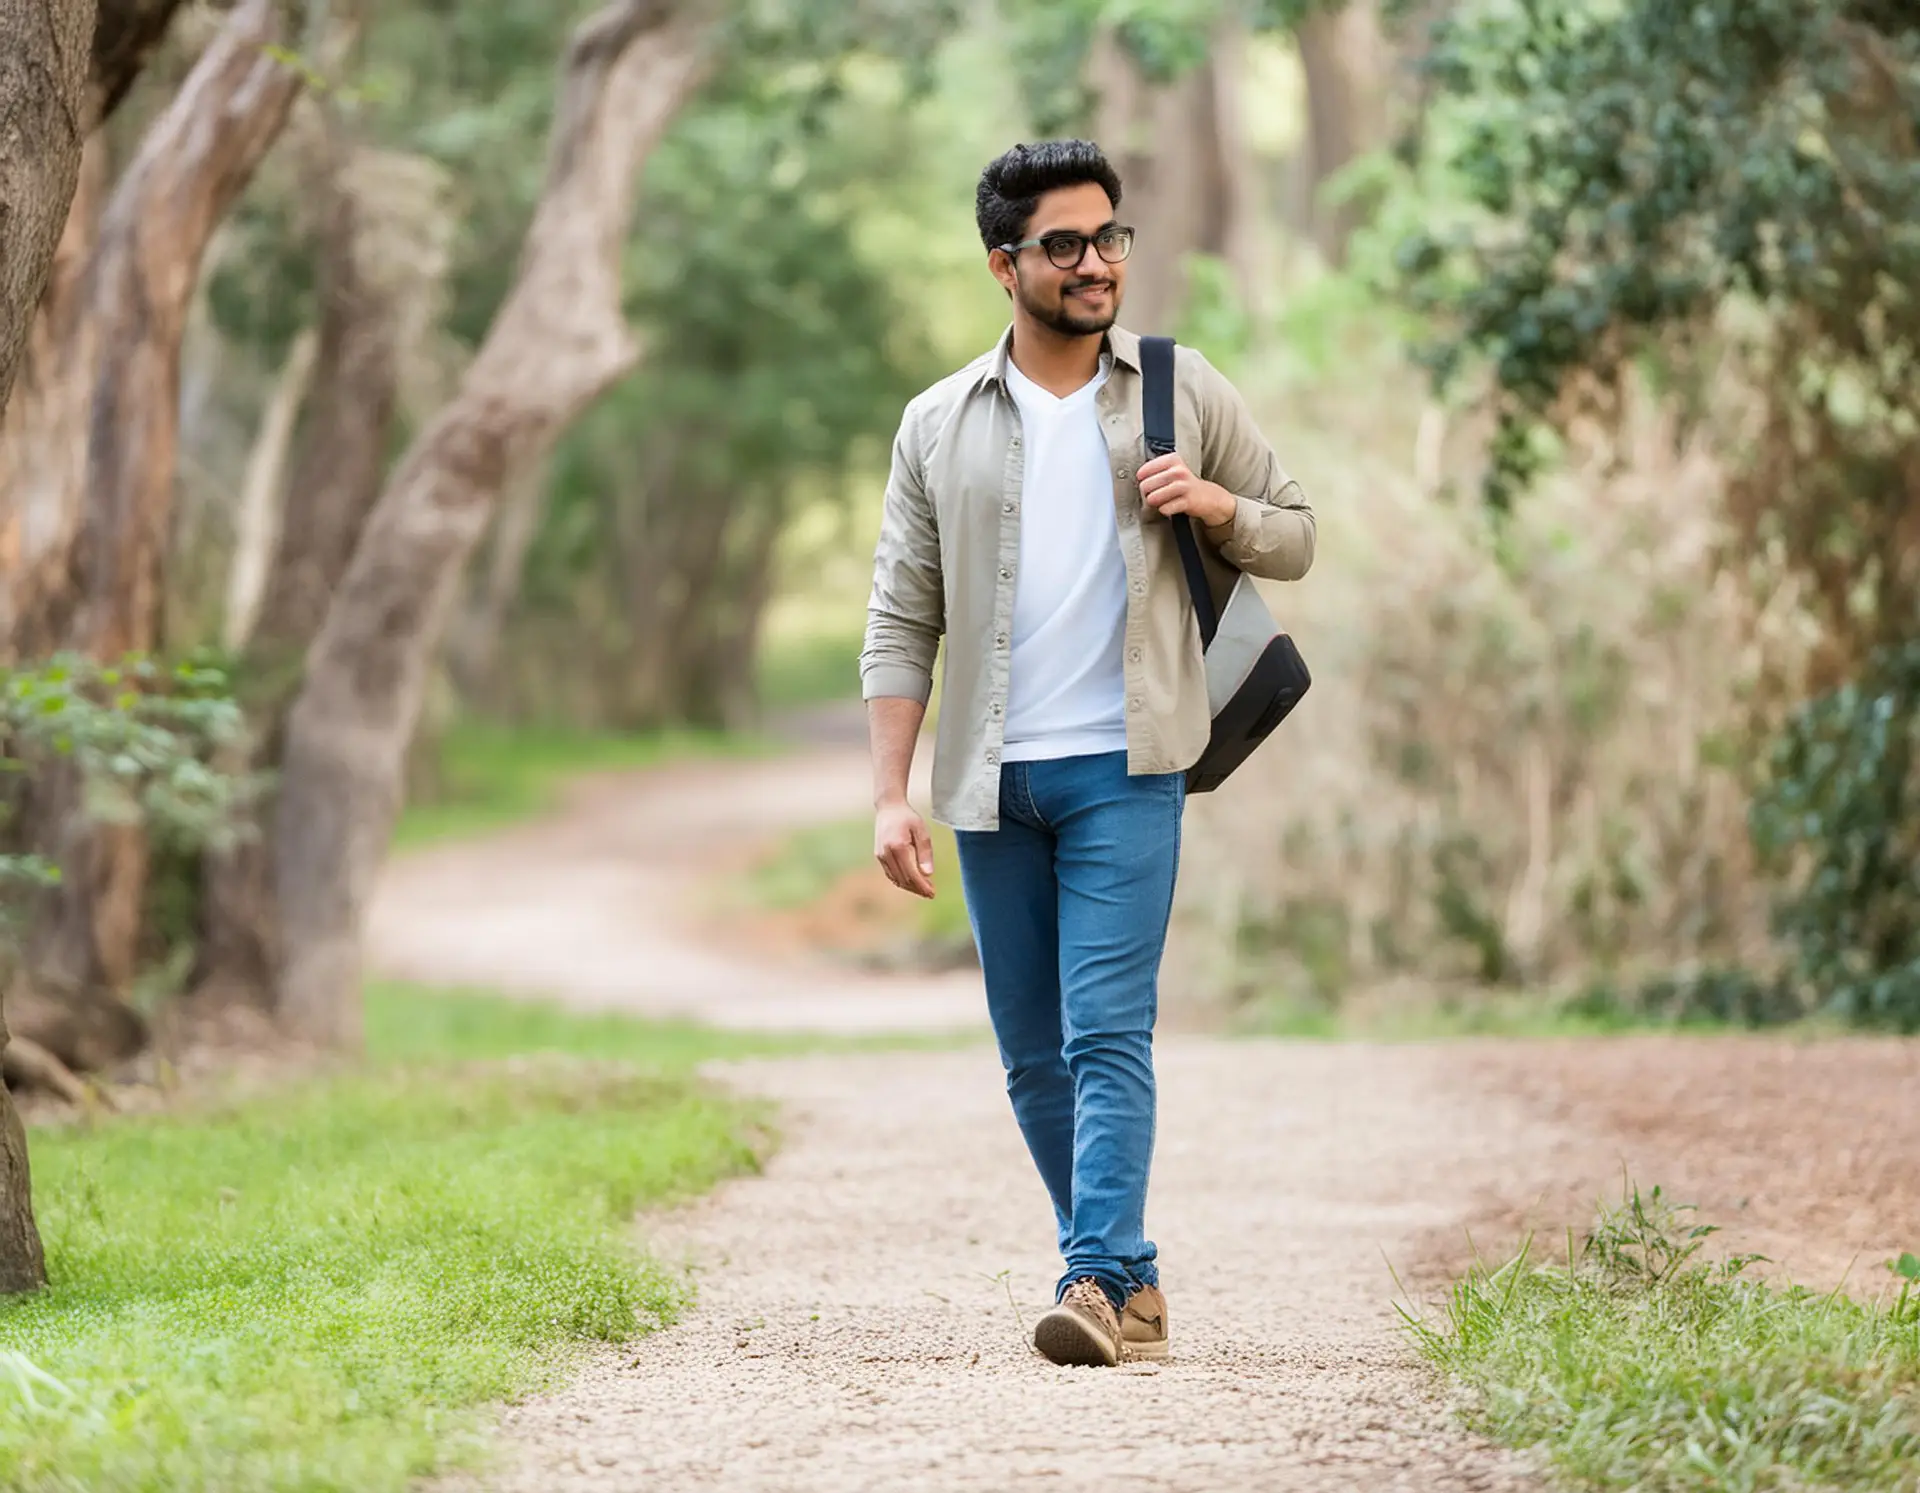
1066	695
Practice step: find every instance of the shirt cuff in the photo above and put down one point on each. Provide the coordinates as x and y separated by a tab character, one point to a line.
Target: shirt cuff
896	682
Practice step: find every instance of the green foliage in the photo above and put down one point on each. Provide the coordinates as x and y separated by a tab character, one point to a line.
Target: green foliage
782	344
1641	1364
1839	815
316	1290
1640	174
1049	42
144	738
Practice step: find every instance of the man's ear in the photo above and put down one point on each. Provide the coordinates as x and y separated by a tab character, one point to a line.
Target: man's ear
1001	264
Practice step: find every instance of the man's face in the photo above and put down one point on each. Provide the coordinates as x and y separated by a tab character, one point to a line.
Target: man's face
1083	299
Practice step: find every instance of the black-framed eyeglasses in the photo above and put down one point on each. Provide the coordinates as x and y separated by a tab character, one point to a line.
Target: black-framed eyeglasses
1066	248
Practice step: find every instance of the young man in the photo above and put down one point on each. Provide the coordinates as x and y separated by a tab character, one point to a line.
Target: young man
1024	525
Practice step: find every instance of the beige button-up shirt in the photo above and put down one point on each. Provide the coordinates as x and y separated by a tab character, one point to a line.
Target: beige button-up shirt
949	548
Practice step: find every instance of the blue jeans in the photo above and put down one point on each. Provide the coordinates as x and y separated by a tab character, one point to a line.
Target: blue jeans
1069	901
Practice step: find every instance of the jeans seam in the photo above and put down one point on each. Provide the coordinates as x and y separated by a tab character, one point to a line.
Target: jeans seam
1033	807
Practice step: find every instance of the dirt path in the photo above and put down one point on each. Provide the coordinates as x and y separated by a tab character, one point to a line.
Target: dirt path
863	1304
597	905
856	1328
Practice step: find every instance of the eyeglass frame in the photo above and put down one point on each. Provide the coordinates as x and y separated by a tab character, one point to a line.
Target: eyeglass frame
1087	240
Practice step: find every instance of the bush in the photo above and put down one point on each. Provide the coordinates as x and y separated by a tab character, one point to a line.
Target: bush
143	736
1840	819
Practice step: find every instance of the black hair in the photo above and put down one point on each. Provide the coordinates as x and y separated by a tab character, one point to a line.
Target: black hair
1012	185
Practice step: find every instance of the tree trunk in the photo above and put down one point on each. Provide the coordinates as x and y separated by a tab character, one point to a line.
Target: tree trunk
43	47
256	530
559	340
1170	144
190	167
336	479
23	1265
1345	57
43	437
475	646
123	44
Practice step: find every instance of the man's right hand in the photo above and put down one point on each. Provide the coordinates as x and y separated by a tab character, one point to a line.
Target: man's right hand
904	848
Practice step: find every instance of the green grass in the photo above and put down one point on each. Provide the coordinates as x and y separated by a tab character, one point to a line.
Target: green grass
1639	1364
320	1289
494	776
410	1023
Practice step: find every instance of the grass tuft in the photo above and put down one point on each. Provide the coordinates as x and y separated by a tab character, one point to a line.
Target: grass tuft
1638	1363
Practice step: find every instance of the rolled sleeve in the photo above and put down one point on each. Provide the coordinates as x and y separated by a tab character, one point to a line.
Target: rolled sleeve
906	612
1272	534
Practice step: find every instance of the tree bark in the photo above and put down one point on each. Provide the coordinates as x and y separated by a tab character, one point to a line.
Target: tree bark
123	44
189	169
336	478
43	437
1345	57
191	166
257	521
1171	144
474	647
43	76
43	53
559	340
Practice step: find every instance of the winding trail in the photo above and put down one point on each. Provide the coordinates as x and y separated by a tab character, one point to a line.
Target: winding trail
863	1304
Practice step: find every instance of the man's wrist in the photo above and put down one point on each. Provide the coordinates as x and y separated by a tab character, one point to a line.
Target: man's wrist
1229	510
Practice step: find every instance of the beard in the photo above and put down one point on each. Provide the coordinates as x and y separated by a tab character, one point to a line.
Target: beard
1069	320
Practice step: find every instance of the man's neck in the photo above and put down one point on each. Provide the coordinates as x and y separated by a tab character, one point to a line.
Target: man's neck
1055	361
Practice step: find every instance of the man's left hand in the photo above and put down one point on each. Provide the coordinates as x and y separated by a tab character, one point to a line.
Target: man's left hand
1170	488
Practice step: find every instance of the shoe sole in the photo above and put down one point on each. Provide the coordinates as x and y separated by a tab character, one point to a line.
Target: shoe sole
1065	1338
1153	1351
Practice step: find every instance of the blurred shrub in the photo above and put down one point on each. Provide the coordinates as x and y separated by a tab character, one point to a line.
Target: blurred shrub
1839	818
145	739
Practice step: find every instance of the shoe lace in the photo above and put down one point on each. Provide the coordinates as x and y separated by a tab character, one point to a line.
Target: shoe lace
1089	1295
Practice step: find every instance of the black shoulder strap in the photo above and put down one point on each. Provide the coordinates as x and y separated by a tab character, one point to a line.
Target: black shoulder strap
1156	400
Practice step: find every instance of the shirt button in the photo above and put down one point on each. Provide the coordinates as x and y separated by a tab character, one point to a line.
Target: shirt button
1000	640
1005	573
994	708
1133	703
1138	586
1133	655
1006	507
993	759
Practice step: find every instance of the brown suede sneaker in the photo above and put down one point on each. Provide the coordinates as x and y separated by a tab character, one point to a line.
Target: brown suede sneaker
1143	1324
1082	1329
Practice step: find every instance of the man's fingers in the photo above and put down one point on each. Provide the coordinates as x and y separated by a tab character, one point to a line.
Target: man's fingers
1160	464
901	862
916	866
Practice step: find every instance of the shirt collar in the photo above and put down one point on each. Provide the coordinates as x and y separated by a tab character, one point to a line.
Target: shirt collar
1122	345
